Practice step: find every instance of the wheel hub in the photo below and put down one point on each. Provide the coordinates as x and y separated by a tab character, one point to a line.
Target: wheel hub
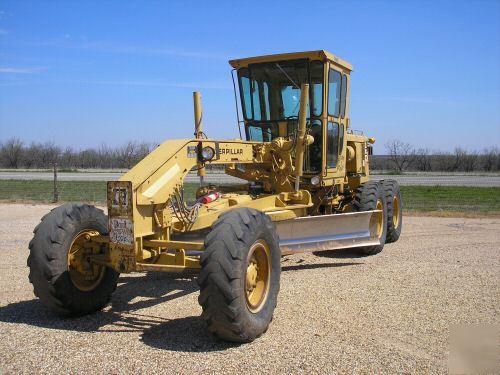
84	274
258	276
251	279
395	212
380	218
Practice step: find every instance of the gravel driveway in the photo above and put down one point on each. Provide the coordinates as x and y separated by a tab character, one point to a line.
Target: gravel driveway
336	312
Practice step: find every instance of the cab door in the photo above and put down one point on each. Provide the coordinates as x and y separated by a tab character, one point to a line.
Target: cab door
336	126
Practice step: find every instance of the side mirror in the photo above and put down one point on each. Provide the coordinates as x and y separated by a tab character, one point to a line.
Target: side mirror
370	150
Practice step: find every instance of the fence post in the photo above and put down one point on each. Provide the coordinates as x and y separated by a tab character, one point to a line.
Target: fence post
56	191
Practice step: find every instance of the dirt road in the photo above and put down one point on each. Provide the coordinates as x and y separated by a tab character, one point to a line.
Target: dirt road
336	312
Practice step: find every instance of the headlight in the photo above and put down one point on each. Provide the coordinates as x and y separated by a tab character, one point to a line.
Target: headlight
315	180
207	153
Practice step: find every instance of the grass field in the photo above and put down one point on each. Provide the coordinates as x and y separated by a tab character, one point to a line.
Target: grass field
479	200
469	200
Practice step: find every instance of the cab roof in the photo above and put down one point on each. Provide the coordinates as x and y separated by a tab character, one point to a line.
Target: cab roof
312	55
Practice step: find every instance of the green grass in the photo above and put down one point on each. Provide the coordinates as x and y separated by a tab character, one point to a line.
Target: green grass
484	200
475	200
38	190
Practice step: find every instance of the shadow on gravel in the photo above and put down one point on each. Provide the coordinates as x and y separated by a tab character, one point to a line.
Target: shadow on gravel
157	288
340	254
298	267
187	334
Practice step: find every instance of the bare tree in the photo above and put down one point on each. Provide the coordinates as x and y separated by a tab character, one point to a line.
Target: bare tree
67	159
50	154
11	152
399	153
444	162
126	154
143	149
107	156
469	161
491	159
31	157
463	160
421	159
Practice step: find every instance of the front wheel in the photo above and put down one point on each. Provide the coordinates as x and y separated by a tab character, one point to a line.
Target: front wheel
394	210
371	196
240	275
60	269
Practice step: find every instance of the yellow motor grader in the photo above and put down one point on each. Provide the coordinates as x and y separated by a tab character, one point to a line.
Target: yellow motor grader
307	188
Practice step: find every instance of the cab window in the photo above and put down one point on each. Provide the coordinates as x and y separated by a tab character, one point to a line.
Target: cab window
290	97
316	72
332	145
334	83
262	132
343	96
255	133
341	139
246	98
313	154
255	100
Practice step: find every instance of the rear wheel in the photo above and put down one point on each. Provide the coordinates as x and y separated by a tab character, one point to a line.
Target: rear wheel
240	275
394	210
60	269
371	196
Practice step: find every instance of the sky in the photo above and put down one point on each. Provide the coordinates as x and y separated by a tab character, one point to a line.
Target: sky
84	73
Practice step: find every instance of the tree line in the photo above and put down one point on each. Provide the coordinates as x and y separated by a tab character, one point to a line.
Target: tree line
14	153
400	157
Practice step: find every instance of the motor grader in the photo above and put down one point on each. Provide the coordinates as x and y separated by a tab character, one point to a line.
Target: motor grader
306	188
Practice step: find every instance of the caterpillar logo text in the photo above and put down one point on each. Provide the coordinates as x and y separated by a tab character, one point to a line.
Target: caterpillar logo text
231	151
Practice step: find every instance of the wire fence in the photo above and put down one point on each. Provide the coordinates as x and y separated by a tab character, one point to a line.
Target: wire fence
43	191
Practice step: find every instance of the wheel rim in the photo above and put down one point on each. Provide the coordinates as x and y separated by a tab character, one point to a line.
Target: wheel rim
380	218
257	276
84	275
395	212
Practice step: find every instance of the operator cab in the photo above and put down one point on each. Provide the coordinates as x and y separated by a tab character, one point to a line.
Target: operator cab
269	88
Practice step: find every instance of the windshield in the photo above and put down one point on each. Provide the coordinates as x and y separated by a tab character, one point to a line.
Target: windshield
271	91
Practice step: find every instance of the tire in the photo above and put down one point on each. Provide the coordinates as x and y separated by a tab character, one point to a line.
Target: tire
52	279
226	269
368	196
394	210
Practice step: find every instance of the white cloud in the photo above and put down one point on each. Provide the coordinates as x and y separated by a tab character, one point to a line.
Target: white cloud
17	70
67	41
144	50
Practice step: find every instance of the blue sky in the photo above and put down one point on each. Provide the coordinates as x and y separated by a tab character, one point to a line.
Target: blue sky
82	73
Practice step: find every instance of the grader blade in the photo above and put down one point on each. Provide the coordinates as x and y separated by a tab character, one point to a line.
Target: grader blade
329	232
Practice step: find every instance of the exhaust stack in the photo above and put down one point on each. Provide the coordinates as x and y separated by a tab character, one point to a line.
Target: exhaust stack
301	135
198	128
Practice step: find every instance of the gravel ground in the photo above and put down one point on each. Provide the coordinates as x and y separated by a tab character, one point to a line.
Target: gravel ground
336	312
